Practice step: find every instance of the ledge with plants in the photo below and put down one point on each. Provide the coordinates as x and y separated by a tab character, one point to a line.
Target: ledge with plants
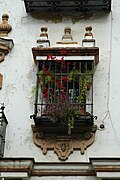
63	99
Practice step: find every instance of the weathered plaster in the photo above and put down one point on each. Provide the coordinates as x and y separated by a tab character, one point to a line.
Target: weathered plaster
57	17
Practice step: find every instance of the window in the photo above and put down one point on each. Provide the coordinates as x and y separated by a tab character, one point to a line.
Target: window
63	112
64	89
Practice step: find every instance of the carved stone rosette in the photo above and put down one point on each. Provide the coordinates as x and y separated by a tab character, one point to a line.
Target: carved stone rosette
63	146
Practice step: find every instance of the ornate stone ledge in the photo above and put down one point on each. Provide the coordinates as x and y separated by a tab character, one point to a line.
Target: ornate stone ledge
64	145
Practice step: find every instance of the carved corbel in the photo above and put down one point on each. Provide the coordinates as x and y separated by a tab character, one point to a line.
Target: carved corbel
5	46
63	146
2	56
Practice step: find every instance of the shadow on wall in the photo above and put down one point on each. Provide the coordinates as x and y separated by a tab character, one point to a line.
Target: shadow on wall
57	17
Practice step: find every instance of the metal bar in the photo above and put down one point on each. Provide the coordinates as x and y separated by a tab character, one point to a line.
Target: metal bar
36	94
3	124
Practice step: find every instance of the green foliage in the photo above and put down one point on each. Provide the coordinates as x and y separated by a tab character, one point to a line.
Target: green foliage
73	75
44	76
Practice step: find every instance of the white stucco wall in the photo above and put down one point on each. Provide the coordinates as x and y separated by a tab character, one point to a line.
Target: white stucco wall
19	73
64	178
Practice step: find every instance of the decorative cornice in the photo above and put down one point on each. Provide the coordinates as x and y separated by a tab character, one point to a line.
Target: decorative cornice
106	164
33	168
71	51
16	165
5	28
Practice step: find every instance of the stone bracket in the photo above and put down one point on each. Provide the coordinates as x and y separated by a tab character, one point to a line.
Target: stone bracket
2	56
63	146
5	46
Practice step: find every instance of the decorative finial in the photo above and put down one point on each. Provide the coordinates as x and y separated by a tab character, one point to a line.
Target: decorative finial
67	36
43	41
88	32
5	28
67	39
88	40
44	32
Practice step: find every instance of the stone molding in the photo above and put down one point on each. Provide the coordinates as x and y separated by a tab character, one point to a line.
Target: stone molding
32	168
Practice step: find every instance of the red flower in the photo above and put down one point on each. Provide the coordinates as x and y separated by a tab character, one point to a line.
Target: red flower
64	94
63	51
45	90
50	57
45	95
65	78
47	72
51	89
59	83
63	67
63	87
74	64
53	57
38	80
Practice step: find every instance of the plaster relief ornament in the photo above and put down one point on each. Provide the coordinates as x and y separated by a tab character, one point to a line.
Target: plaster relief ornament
5	28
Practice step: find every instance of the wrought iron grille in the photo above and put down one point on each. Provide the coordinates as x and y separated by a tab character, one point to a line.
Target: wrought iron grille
64	5
63	86
3	124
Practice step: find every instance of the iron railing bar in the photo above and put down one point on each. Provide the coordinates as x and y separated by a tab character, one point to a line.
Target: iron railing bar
37	88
